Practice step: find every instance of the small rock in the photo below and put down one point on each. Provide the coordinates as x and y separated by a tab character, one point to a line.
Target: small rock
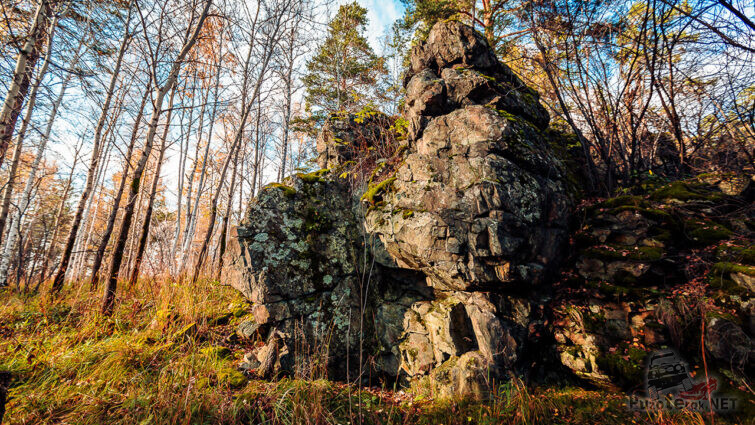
248	328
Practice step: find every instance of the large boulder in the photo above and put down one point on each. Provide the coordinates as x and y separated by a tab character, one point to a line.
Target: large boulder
320	287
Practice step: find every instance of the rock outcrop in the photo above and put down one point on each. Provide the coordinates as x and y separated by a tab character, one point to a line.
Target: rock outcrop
302	259
458	264
297	259
437	267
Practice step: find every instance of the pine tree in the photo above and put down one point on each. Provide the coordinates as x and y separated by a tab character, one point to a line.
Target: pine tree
344	71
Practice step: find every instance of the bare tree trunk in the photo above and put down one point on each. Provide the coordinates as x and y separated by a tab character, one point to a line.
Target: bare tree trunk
269	49
226	217
100	254
18	150
58	217
65	258
112	283
288	83
183	156
191	213
142	244
81	248
25	63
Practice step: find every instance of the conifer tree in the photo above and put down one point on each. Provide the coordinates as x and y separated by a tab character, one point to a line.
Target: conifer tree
344	72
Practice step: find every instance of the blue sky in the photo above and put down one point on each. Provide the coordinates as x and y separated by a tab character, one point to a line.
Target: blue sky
382	14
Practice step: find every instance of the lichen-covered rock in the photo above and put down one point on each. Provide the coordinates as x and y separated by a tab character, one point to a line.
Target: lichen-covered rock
465	376
298	251
248	329
471	73
728	343
479	203
444	269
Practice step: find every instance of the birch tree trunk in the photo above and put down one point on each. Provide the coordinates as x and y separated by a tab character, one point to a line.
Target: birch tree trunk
267	55
25	64
18	150
56	223
226	217
26	195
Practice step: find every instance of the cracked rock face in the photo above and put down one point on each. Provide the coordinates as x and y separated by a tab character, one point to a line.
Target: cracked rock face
479	202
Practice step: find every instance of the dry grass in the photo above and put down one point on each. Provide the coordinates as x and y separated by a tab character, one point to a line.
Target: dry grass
154	362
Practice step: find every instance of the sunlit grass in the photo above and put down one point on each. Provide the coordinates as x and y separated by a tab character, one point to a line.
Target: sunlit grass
153	362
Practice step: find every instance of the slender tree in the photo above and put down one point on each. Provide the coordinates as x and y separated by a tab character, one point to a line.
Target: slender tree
57	283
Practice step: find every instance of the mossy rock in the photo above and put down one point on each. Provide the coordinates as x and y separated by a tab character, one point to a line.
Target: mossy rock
718	314
376	189
637	253
706	233
656	214
732	279
313	177
737	254
725	267
687	191
629	368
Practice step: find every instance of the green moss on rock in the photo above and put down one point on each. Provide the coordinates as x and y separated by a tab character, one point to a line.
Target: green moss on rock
287	190
734	253
641	253
628	367
724	267
686	191
219	352
313	177
376	189
706	232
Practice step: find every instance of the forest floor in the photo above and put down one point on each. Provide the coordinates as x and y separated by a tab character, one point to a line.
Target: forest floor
162	359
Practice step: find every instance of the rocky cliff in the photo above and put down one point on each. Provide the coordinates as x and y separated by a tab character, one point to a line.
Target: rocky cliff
445	247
